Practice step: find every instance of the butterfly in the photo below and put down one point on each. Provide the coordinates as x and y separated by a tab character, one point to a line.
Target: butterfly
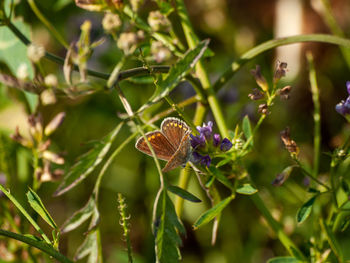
171	143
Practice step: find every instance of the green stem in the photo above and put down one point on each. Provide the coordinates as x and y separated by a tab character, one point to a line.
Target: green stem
317	113
276	227
202	74
252	53
310	175
24	212
51	28
181	113
38	244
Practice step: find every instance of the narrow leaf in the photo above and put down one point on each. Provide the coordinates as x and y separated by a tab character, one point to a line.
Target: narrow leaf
177	73
220	177
87	162
283	260
183	194
332	241
79	216
166	228
247	129
210	214
246	189
36	203
89	248
304	211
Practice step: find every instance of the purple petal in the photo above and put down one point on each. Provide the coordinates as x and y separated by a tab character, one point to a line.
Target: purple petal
226	145
348	86
206	160
216	139
197	141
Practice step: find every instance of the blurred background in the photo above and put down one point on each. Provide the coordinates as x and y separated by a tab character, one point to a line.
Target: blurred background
233	27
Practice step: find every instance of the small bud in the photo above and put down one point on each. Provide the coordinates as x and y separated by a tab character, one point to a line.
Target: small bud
284	92
54	123
263	109
290	145
111	22
238	144
44	146
256	95
22	71
48	97
36	127
35	53
158	21
216	139
68	64
280	71
282	177
51	80
160	52
53	157
226	145
127	42
259	78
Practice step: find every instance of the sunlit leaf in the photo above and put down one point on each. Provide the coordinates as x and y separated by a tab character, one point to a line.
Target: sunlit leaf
87	162
90	247
210	214
304	211
183	194
283	260
36	203
176	73
247	129
79	216
167	227
246	189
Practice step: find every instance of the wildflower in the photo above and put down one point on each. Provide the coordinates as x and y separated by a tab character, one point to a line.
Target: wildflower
290	145
216	139
226	145
127	42
284	92
281	68
263	109
111	22
259	78
204	160
206	129
256	95
158	21
35	53
197	141
343	107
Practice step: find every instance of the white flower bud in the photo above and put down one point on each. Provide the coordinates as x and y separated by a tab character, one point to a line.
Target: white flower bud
158	21
35	53
22	71
127	42
51	80
111	22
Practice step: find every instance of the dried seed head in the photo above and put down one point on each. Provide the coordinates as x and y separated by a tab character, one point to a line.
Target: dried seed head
259	78
290	145
284	92
263	109
256	95
281	68
111	22
35	52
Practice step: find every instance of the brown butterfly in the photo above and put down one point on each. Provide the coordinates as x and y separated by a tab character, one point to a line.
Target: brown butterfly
171	143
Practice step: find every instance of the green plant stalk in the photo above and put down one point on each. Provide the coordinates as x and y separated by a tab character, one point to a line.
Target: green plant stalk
317	113
331	22
307	173
38	244
271	44
124	224
24	212
276	227
333	243
51	28
202	74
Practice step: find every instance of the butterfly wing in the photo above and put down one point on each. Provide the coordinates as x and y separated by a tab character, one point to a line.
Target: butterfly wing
174	129
163	149
181	156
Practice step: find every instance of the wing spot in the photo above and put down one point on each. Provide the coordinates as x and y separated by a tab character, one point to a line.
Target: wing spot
149	138
158	134
153	137
185	129
180	126
175	124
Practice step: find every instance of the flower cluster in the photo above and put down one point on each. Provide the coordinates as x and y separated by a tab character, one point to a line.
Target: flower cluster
343	107
207	142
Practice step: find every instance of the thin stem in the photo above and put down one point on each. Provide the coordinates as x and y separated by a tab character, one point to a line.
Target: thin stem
310	175
38	244
24	212
317	113
181	113
46	22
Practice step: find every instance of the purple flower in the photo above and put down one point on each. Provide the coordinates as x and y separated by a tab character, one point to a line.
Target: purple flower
216	139
343	107
226	145
206	129
201	159
197	141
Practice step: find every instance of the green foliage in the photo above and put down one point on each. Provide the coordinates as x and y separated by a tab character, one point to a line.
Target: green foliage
183	194
246	189
305	210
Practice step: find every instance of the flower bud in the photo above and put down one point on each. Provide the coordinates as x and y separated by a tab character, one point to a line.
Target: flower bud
160	52
54	123
216	139
263	109
290	145
53	157
256	95
226	145
127	42
158	21
111	22
51	80
280	71
259	78
284	92
48	97
22	71
35	127
35	52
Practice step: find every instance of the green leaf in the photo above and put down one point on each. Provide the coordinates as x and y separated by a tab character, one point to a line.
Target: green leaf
247	129
220	177
165	7
283	260
166	228
89	248
36	203
304	211
332	241
246	189
177	73
210	214
87	162
79	216
223	162
183	194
